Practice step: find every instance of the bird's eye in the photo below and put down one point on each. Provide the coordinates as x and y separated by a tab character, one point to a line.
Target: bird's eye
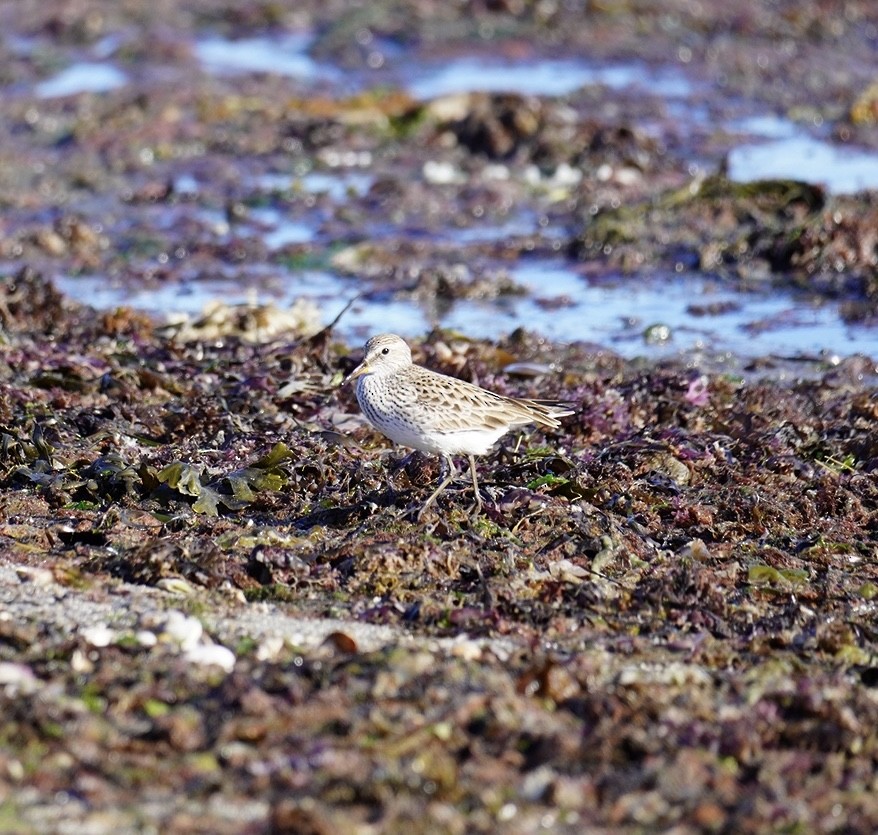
385	350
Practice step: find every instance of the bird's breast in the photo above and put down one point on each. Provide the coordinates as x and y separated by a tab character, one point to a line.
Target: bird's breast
398	413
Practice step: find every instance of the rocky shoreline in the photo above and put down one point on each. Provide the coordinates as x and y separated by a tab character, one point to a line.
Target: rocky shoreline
214	615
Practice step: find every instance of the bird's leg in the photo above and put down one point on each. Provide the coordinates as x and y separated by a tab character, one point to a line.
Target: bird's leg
447	470
472	469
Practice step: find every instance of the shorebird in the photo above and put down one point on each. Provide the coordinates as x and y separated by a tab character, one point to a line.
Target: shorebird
438	414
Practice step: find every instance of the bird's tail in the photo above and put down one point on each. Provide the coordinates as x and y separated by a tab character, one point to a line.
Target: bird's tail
547	412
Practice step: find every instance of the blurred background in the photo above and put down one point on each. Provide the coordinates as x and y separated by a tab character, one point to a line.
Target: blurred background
651	177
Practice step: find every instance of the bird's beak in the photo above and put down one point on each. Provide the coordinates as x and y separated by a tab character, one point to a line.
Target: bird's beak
359	371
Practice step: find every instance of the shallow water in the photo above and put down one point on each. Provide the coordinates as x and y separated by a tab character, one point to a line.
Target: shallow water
335	185
568	308
841	170
85	77
279	231
561	303
626	314
281	55
546	77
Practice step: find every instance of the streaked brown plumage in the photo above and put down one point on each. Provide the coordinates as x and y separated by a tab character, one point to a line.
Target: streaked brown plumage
435	413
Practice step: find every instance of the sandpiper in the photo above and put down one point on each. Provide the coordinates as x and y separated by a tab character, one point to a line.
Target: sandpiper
435	413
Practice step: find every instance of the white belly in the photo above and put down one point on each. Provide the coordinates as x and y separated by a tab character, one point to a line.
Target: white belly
467	442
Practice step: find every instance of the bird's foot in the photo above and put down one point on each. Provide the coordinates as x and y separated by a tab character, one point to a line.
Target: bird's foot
413	512
475	509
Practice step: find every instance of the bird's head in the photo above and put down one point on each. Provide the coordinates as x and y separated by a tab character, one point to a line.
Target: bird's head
384	354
